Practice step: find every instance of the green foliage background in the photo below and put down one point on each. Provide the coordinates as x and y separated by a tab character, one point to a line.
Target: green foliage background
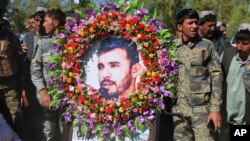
232	12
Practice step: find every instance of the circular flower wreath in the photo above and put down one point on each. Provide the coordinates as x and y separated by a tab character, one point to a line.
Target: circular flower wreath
82	104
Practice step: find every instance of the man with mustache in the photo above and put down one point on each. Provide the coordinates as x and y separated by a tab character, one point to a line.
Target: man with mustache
118	67
207	29
235	62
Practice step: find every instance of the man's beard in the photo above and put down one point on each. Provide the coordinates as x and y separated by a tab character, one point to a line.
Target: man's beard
115	94
106	95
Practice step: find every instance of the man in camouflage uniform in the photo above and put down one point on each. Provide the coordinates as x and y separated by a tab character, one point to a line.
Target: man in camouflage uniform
10	72
197	102
53	21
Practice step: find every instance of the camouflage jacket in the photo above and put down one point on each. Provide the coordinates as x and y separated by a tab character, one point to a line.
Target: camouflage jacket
40	62
16	79
200	74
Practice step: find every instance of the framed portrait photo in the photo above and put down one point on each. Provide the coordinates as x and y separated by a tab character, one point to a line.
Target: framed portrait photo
111	71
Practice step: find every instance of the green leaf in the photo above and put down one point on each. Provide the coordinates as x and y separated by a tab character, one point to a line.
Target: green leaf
84	129
100	134
121	2
127	8
127	131
98	127
58	40
80	12
154	13
75	122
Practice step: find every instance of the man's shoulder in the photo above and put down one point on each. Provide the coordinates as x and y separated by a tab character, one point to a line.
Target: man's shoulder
45	39
205	43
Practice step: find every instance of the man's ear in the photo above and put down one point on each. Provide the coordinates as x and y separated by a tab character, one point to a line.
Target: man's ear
56	23
179	27
136	70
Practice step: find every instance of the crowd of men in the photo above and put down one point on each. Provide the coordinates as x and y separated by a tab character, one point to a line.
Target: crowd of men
213	81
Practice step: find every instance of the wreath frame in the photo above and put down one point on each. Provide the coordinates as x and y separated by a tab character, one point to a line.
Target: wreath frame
81	104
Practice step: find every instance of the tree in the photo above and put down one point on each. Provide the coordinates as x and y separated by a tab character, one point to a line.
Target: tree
4	4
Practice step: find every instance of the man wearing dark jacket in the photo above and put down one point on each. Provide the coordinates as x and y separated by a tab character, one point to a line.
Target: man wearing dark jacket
11	73
236	92
207	29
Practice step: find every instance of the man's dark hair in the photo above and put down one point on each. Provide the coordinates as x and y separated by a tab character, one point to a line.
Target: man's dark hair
40	14
31	16
242	35
111	43
184	14
57	14
208	18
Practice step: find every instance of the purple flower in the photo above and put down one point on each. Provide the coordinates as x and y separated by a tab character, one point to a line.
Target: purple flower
118	130
90	12
57	48
113	5
140	119
166	93
141	12
156	24
68	25
161	105
106	132
83	22
152	117
75	15
74	28
52	66
108	6
146	113
132	129
130	123
66	117
62	36
163	89
60	87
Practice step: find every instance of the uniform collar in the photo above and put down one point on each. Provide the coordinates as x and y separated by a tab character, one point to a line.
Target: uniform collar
189	44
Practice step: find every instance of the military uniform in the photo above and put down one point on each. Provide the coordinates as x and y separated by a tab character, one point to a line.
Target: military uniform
199	89
39	75
10	75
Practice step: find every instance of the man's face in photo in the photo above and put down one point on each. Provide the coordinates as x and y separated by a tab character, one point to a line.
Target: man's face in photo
114	71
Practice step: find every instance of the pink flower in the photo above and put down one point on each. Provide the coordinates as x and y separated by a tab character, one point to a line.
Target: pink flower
64	64
144	69
135	41
145	92
161	61
78	78
109	117
78	40
88	113
112	27
114	23
159	53
71	88
79	53
93	115
79	108
156	89
147	86
80	85
135	110
118	103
